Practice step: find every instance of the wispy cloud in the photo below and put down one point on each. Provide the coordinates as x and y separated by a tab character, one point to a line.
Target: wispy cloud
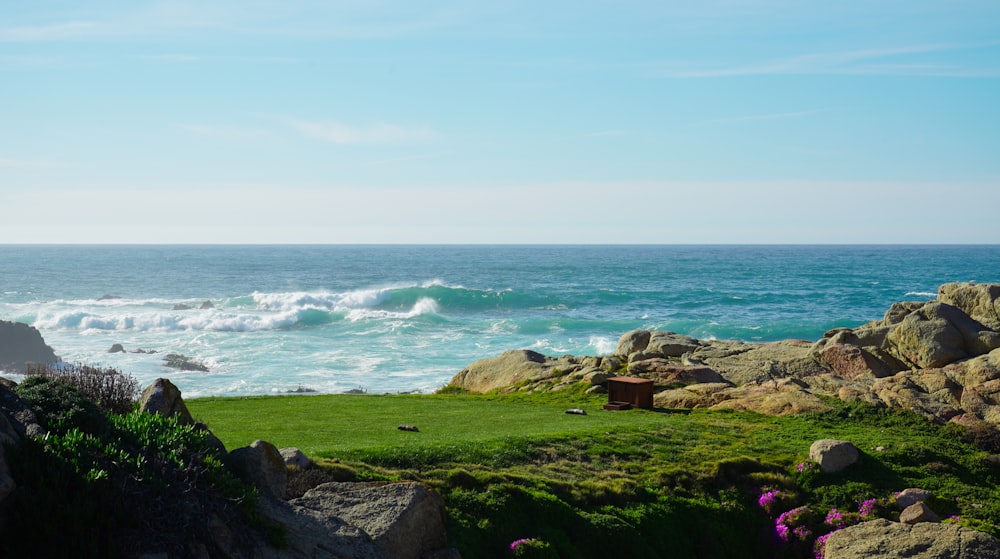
224	131
758	118
377	133
863	61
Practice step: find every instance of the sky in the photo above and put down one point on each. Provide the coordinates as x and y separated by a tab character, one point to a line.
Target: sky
440	121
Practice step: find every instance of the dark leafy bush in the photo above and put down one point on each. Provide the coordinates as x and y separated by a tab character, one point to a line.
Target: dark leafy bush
59	406
112	390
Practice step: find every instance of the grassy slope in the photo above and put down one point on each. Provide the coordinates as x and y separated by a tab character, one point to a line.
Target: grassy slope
518	466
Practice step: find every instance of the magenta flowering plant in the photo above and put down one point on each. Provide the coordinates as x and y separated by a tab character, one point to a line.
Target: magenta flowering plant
769	498
532	548
866	508
819	548
517	544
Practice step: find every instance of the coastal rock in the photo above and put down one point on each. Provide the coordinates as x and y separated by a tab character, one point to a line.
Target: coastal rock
162	397
670	344
912	496
894	540
405	520
510	368
312	534
22	345
918	512
183	363
937	334
631	342
116	348
981	301
666	373
785	396
295	458
741	363
262	465
833	455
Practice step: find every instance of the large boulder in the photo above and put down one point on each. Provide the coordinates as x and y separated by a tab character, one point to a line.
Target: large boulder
981	301
631	342
510	368
22	345
937	334
833	455
742	363
405	520
262	465
163	398
893	540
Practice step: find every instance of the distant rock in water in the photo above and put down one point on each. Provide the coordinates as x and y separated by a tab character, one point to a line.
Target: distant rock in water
183	363
116	348
108	297
181	307
207	305
21	345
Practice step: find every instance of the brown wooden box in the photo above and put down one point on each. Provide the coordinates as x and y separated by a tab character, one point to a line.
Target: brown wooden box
635	391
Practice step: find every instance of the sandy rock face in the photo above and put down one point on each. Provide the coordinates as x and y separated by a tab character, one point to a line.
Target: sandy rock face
833	455
893	540
980	301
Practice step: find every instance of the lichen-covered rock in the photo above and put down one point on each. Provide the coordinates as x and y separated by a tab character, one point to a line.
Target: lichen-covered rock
262	465
741	363
667	373
510	368
405	520
893	540
918	512
912	496
670	344
833	455
937	334
631	342
164	398
295	458
981	301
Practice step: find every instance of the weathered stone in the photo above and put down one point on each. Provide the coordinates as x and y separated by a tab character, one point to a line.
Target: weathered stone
898	311
670	344
776	397
893	540
918	512
833	455
981	301
631	342
756	363
510	368
262	465
163	398
851	361
596	378
693	396
911	496
937	334
295	458
666	373
22	345
405	520
116	348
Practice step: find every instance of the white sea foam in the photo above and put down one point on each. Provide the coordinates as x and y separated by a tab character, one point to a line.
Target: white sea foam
927	294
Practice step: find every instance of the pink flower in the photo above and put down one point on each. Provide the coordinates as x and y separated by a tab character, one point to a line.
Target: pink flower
782	532
867	507
835	518
518	543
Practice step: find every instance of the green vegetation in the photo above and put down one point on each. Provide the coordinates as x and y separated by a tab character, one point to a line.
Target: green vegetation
637	483
96	483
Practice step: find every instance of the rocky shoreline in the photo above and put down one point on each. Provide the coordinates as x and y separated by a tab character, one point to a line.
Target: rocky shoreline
940	359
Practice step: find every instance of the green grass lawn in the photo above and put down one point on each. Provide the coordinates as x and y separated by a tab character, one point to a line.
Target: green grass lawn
351	425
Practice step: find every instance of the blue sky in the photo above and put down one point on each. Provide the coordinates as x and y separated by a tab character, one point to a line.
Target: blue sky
723	121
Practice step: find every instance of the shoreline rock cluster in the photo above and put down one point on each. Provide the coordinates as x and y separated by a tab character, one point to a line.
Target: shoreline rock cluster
940	359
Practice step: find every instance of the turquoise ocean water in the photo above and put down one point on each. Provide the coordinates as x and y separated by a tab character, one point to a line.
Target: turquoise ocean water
407	318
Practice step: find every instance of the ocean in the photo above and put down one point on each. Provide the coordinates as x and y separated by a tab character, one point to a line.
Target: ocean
389	319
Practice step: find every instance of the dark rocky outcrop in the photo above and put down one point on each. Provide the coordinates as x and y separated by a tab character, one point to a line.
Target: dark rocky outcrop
22	345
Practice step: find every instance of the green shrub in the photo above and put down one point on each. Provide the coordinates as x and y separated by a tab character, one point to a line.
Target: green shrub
112	390
59	406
